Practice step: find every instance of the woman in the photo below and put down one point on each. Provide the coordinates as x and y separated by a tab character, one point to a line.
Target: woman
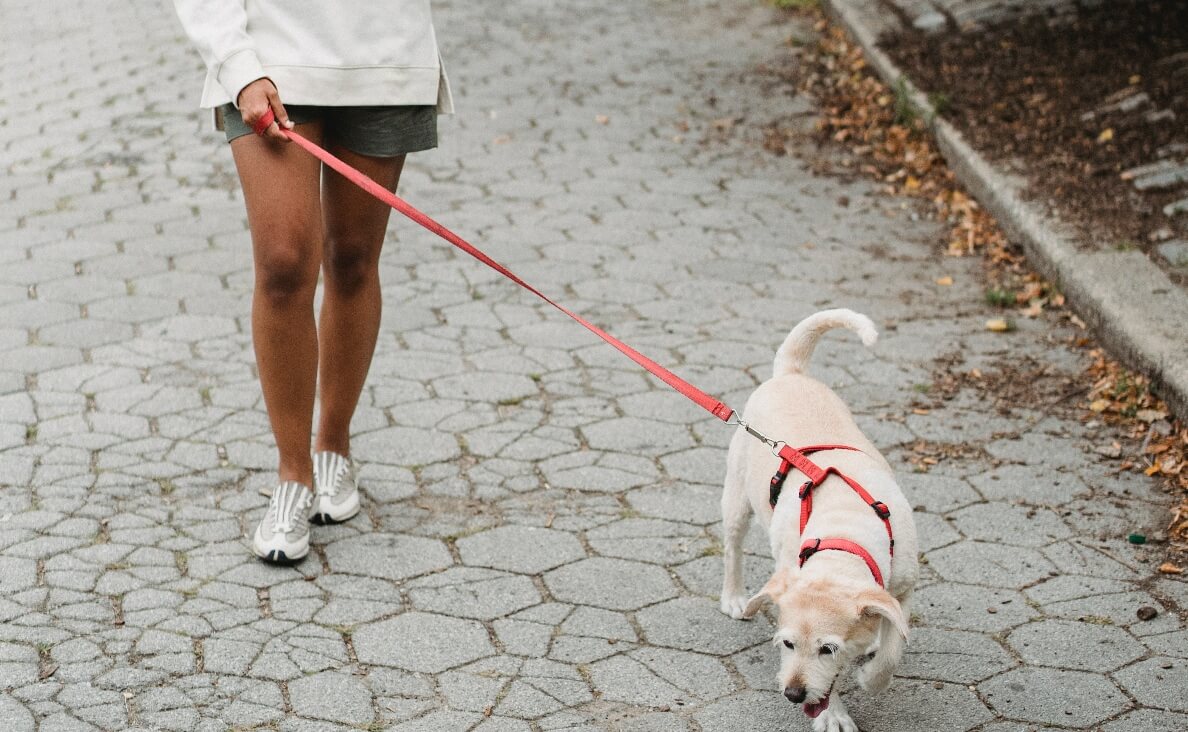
365	81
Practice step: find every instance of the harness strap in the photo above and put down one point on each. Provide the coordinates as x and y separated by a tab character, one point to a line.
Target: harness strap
791	457
812	546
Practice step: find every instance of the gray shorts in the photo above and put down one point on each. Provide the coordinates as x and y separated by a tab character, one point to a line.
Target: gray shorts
380	132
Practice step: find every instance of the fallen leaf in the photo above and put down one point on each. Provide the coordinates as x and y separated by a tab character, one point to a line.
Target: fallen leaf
999	325
602	119
944	281
1150	415
1099	405
1169	568
921	412
1106	135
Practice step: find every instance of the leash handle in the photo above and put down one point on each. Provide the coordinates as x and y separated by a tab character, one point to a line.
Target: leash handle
265	120
697	396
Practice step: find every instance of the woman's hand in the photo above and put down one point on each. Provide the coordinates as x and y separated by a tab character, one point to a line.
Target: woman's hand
254	102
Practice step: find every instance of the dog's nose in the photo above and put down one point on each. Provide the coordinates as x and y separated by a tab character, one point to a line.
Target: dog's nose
795	694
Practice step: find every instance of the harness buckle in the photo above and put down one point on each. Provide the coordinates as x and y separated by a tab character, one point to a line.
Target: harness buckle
809	550
774	488
881	510
804	489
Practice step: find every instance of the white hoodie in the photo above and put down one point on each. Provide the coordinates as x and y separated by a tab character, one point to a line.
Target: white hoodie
319	52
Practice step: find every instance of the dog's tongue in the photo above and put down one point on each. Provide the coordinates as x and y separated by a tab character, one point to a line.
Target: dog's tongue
814	710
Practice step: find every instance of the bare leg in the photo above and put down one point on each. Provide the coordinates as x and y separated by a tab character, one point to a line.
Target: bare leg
354	234
280	187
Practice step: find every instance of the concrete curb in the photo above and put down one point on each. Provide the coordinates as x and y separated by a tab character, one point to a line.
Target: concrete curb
1137	312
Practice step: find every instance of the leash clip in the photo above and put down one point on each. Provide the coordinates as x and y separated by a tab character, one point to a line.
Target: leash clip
775	445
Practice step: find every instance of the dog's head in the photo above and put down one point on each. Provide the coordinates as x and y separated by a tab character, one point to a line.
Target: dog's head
824	625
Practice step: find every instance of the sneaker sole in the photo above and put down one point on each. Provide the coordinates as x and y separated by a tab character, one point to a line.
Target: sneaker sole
323	518
278	556
294	554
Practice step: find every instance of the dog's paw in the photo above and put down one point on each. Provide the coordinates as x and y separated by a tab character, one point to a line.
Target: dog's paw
834	721
734	605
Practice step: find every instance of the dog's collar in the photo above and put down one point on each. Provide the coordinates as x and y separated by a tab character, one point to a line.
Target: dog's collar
812	546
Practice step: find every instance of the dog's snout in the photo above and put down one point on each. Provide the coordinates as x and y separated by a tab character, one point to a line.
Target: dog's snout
795	694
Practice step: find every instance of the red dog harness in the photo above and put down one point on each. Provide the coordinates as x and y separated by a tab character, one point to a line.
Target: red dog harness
791	457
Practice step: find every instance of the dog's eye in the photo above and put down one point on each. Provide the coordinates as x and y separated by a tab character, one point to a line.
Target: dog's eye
789	644
828	649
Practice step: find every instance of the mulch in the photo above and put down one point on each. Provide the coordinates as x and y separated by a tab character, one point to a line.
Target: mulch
1023	94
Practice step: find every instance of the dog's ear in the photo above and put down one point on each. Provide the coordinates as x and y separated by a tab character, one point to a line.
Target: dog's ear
776	586
881	603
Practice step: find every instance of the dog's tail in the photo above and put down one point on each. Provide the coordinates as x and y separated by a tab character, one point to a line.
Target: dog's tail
794	354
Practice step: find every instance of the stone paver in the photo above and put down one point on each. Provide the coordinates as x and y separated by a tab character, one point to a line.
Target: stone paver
540	548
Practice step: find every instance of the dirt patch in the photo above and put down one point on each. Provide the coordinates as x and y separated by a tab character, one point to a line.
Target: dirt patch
1009	384
1073	102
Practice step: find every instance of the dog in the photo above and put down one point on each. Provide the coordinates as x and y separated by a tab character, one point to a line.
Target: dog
835	607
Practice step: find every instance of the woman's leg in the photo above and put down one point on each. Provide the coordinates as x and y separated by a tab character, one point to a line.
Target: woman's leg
280	186
354	225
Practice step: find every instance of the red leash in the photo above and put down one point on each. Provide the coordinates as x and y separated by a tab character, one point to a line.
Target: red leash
790	457
697	396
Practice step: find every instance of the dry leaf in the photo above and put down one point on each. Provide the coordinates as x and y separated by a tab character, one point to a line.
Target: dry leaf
602	119
1099	405
1106	135
999	325
1034	310
1150	415
1169	568
944	281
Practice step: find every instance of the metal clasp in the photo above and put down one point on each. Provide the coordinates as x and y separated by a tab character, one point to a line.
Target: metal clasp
775	445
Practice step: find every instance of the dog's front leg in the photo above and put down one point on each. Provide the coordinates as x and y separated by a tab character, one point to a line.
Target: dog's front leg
836	718
736	519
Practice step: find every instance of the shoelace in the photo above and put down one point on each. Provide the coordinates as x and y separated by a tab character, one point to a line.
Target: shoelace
289	505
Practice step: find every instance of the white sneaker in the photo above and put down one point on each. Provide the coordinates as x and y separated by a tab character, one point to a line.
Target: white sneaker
283	533
336	488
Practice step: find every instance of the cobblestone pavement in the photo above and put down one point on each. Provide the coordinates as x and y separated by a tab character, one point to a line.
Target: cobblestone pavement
540	546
